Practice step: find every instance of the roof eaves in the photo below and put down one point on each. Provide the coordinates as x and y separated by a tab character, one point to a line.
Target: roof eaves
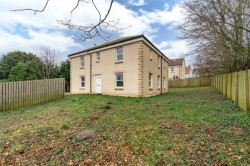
117	41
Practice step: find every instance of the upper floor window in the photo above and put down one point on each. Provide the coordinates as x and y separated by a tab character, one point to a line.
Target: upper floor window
119	79
150	54
119	54
150	80
159	61
159	82
82	61
82	79
98	58
172	69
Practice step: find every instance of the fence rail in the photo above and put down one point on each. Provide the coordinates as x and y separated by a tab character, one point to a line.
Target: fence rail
189	83
235	86
27	93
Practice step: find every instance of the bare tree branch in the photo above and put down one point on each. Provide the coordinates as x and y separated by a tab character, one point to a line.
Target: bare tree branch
34	10
219	31
103	28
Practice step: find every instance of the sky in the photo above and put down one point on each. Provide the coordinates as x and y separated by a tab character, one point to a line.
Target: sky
24	31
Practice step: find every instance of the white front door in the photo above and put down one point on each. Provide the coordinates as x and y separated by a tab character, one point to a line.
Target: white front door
98	84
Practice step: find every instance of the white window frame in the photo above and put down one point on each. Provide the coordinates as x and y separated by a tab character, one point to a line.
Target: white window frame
82	61
176	77
118	54
81	81
150	55
158	81
116	80
98	57
159	61
150	80
172	69
164	82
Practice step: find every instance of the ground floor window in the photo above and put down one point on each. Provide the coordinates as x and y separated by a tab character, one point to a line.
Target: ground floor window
119	79
176	77
164	82
82	78
150	81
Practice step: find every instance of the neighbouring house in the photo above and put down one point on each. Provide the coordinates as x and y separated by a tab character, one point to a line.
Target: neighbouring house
129	66
177	69
201	72
189	72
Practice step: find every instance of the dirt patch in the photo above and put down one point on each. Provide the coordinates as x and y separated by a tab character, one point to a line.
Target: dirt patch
94	118
107	107
236	130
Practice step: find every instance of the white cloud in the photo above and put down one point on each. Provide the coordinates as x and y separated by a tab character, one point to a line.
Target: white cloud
55	40
43	28
176	49
164	16
145	22
136	2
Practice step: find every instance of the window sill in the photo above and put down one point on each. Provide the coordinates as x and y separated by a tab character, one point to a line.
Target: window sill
118	62
82	88
97	61
158	88
82	67
150	88
159	67
119	88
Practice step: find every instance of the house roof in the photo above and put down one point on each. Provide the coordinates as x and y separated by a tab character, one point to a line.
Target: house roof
176	62
188	69
117	41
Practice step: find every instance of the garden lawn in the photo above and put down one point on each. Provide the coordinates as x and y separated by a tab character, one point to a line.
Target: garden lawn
196	126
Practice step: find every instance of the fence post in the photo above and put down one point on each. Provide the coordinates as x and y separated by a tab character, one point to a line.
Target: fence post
224	84
217	82
63	87
1	97
236	87
229	85
26	93
246	80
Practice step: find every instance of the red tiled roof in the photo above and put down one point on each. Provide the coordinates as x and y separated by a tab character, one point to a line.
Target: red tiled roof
188	69
176	62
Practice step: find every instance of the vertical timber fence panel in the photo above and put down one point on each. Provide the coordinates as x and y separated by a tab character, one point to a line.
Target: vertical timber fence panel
27	93
235	86
189	83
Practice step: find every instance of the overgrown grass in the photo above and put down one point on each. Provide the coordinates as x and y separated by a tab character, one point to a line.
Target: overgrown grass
197	126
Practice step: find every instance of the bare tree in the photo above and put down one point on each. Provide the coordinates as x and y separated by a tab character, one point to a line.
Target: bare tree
103	28
50	59
220	32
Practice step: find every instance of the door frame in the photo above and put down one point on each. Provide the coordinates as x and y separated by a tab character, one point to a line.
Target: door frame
98	75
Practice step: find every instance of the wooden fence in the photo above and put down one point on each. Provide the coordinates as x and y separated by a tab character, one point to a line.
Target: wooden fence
235	86
26	93
189	83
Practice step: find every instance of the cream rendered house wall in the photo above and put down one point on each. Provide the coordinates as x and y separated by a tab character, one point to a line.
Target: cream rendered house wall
183	70
107	67
150	65
135	67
